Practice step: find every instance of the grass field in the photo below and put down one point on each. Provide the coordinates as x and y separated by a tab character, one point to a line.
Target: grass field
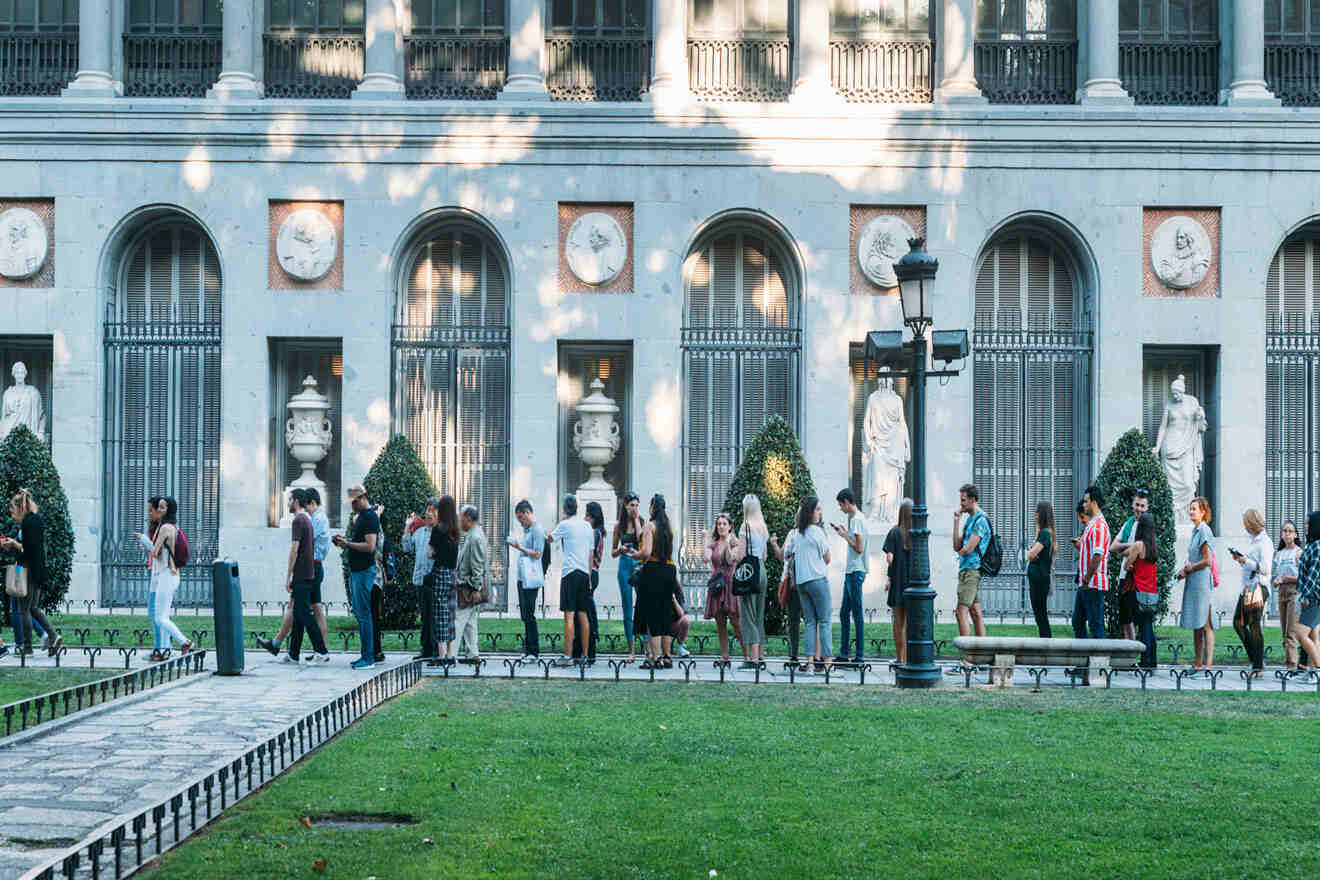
19	684
522	780
510	627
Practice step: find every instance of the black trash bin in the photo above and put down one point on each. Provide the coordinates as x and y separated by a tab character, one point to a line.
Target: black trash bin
227	600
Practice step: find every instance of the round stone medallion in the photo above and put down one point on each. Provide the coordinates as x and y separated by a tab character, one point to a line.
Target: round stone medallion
23	244
306	245
1180	252
882	243
596	248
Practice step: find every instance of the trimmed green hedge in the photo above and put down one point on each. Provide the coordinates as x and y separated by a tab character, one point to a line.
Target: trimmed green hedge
25	462
773	470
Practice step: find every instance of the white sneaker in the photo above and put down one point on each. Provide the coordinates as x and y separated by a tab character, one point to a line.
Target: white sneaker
321	658
528	658
287	659
307	659
684	652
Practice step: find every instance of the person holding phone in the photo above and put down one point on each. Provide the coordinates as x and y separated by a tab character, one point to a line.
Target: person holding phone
1256	563
531	577
31	550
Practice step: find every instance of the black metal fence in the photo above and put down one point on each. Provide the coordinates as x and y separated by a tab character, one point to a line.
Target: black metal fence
1170	73
1293	73
170	65
455	67
120	848
883	71
579	68
313	65
1027	71
740	70
37	64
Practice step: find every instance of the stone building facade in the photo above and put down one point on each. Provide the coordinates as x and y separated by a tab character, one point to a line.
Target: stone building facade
739	149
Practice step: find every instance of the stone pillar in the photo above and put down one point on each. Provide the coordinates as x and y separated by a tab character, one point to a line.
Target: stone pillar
1102	86
1248	88
381	81
94	35
957	79
669	79
238	81
813	53
526	78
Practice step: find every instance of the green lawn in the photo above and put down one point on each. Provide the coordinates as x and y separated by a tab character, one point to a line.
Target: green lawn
552	634
534	780
19	684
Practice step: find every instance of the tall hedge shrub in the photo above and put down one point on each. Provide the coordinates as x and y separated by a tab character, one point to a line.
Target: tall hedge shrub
398	480
773	470
1128	467
25	463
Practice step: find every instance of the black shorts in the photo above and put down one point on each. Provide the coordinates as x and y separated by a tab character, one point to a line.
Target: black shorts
1127	608
316	584
575	592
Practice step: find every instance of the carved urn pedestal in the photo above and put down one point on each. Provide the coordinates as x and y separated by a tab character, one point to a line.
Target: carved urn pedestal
596	439
308	435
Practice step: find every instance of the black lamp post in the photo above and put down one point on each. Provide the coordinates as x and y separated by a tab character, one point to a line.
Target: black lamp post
916	273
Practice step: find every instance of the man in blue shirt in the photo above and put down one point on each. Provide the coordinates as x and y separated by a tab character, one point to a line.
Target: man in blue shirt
530	576
970	543
320	549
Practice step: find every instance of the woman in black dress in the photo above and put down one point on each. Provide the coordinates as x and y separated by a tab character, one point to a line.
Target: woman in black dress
655	606
898	543
31	550
1040	564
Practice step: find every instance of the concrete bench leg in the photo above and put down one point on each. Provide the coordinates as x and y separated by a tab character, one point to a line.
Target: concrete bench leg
1099	663
1001	673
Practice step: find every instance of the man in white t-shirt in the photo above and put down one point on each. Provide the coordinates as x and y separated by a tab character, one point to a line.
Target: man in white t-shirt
575	542
854	573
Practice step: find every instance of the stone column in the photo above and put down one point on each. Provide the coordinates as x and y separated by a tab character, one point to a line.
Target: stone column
1248	87
813	53
669	79
238	81
526	78
1102	86
94	35
957	75
381	81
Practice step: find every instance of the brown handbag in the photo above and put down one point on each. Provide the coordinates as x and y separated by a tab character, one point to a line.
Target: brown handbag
16	583
467	597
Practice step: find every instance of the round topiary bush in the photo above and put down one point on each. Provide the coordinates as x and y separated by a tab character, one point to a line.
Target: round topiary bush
773	470
1129	467
25	463
398	480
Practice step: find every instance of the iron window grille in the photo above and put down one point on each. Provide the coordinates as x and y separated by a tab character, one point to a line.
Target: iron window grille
598	50
172	48
1026	51
314	48
1168	51
740	50
1292	51
882	51
456	49
38	46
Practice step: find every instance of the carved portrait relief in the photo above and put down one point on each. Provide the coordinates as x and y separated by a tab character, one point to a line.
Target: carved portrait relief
307	245
23	243
596	248
1180	252
883	242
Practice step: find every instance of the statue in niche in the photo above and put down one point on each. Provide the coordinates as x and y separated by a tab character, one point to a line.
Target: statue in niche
1180	446
886	448
22	406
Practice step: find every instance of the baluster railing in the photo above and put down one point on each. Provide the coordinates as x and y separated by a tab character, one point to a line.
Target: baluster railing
1170	73
883	71
1027	71
1292	72
313	65
456	67
579	68
170	65
37	64
740	70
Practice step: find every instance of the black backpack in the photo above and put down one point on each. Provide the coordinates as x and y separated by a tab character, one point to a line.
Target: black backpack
545	557
992	558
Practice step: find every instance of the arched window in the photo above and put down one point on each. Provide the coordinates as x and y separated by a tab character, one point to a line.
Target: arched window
1031	407
741	346
451	372
162	403
1292	375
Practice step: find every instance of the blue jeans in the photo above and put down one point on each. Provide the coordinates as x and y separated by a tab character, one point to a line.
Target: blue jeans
626	566
1089	609
21	621
359	590
852	606
1146	627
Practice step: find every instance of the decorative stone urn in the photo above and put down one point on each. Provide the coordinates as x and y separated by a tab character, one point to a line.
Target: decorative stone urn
308	435
596	439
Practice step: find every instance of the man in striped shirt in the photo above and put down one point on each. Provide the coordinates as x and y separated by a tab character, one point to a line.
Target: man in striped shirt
1092	571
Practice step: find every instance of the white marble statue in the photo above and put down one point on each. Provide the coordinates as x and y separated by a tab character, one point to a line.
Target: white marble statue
886	449
22	406
1180	446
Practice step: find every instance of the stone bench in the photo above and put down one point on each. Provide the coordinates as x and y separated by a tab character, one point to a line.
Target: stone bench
1002	654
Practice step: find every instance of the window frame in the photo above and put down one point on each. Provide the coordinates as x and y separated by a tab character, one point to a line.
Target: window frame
859	31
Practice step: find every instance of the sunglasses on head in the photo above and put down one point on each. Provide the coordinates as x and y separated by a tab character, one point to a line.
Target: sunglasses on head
630	497
1143	493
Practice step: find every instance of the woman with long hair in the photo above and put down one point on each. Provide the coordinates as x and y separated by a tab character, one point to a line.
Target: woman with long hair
1040	565
1308	591
753	541
898	543
31	550
1256	563
810	549
162	532
595	515
627	536
443	550
1196	606
1142	557
1286	557
655	600
721	605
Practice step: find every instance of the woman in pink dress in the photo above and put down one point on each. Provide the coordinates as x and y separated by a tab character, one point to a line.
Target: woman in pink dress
721	604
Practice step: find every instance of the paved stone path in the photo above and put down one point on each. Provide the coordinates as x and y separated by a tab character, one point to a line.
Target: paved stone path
60	783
